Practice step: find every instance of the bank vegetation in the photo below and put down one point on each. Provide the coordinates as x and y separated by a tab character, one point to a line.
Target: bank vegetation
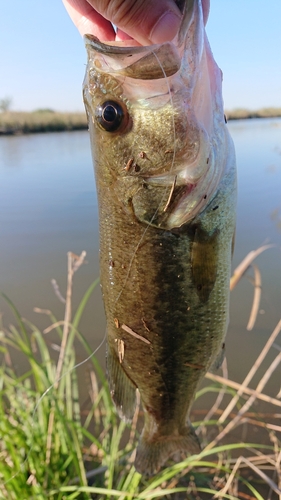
48	120
42	120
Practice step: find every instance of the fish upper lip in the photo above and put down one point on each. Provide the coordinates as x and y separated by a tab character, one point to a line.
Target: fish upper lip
93	42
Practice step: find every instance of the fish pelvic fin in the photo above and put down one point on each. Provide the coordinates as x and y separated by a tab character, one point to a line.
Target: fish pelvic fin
152	454
122	389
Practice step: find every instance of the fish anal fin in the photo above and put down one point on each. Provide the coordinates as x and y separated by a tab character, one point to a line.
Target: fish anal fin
122	389
153	454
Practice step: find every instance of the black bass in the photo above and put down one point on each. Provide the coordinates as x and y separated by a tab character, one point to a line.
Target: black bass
166	182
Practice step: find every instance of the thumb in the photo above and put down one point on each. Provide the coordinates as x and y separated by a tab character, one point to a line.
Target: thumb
147	21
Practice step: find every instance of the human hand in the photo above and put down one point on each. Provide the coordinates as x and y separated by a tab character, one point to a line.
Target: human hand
146	21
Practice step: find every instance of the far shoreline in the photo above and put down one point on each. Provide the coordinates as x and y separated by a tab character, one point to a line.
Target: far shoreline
47	120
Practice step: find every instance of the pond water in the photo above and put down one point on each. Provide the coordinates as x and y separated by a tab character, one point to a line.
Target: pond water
48	206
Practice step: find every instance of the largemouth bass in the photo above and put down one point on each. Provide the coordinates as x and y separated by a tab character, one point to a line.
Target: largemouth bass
166	182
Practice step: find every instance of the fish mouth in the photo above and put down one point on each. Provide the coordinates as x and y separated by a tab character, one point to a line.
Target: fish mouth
137	62
150	62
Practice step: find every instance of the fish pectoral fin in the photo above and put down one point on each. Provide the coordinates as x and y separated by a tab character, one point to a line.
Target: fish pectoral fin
122	389
204	261
153	453
219	360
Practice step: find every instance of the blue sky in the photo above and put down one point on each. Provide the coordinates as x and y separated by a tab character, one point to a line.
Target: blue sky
42	55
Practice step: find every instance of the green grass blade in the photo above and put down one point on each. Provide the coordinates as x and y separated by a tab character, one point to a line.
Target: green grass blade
18	317
82	304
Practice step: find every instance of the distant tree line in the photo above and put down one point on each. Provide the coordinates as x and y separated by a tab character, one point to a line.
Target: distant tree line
5	104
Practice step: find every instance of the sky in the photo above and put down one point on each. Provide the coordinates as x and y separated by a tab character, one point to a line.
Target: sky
42	55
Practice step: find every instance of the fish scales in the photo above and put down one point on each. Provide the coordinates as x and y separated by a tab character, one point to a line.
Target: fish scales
166	184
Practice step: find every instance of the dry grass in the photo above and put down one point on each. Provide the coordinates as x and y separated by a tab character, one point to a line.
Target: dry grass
265	466
12	122
243	113
17	122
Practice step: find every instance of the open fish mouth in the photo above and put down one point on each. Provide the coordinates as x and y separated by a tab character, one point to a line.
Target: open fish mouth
137	62
151	62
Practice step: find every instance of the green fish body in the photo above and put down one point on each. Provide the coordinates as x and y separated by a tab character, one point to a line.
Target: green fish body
166	183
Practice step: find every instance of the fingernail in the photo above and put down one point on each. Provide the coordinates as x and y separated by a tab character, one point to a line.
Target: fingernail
166	28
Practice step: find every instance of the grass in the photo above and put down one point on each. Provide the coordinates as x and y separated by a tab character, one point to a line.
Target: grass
53	448
16	122
243	113
46	120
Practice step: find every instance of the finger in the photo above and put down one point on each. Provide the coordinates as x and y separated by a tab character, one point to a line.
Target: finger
121	35
146	21
88	20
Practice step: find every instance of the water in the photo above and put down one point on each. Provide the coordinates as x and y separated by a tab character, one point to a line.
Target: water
48	206
258	149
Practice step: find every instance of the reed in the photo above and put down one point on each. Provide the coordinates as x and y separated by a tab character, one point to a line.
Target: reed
52	448
244	113
15	123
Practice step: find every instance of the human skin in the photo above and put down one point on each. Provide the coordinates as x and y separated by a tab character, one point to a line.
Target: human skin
146	21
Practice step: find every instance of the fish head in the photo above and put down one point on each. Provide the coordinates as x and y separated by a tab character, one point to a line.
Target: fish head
156	122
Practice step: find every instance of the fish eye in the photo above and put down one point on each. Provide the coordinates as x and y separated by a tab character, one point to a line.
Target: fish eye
112	116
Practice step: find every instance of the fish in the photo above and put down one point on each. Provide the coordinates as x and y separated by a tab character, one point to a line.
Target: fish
165	173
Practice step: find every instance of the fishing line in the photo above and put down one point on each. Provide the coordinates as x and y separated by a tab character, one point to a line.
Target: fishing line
149	224
42	397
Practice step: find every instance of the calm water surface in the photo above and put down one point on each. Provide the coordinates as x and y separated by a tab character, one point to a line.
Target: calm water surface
48	206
